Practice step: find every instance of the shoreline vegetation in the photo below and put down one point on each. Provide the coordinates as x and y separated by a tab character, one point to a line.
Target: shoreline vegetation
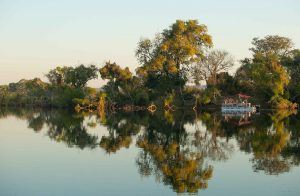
174	65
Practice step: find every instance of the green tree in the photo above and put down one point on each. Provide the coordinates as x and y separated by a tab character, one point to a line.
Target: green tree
78	77
227	84
113	72
169	55
272	44
122	87
292	63
57	75
264	74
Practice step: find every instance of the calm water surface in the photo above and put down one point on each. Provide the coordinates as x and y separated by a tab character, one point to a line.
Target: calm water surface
165	153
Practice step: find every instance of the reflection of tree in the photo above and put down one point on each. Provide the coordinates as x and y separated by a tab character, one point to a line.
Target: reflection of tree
36	122
292	151
211	142
121	128
175	155
167	154
267	141
61	126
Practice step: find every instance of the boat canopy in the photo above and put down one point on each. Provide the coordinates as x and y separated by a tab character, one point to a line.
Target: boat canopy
244	96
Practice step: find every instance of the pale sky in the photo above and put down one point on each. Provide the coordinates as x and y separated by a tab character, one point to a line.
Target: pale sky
37	35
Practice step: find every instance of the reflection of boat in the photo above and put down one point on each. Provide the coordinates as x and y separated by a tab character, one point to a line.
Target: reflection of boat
241	104
237	118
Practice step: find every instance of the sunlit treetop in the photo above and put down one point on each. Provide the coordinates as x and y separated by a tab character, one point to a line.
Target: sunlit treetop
181	44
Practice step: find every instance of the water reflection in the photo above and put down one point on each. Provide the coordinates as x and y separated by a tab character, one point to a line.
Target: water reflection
62	126
179	148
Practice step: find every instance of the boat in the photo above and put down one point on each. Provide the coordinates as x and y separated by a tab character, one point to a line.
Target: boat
240	105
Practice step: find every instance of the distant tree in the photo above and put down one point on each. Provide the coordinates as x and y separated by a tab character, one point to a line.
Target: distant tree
272	44
211	65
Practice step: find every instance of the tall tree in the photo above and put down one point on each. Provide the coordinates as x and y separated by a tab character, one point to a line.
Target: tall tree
169	55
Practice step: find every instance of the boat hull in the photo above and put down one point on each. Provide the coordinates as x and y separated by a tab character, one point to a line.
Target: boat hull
238	109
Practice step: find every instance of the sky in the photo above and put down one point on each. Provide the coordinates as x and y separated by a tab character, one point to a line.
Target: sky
38	35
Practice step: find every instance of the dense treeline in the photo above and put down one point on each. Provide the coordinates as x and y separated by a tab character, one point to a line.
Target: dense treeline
174	66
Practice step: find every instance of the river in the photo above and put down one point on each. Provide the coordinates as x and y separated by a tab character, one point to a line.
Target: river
57	152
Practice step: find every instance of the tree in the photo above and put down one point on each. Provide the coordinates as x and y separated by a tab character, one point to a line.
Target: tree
227	84
211	65
272	44
264	73
114	72
172	51
118	80
3	94
122	87
57	76
292	63
268	76
78	77
146	49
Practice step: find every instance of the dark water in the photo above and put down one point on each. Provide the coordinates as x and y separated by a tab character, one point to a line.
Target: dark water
62	153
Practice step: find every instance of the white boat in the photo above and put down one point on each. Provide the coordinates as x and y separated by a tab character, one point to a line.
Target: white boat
239	107
231	105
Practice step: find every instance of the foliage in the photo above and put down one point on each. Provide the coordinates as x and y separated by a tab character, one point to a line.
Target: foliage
166	59
272	45
227	84
292	63
78	77
114	72
264	74
179	54
122	87
37	93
